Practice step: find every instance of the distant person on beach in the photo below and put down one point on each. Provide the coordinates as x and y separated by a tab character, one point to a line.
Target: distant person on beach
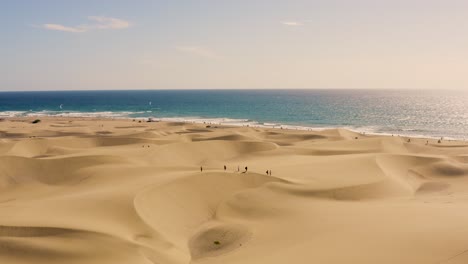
245	168
270	172
201	168
237	168
267	172
224	167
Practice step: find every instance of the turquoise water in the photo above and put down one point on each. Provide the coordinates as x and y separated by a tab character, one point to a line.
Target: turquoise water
402	112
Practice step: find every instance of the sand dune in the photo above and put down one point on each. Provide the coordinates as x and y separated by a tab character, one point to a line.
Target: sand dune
120	191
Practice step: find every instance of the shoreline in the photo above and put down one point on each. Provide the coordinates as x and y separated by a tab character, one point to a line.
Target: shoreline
215	121
377	112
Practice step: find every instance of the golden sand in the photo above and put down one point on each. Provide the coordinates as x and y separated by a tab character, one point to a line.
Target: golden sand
119	191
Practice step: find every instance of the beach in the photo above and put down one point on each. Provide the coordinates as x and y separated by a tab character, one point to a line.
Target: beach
92	190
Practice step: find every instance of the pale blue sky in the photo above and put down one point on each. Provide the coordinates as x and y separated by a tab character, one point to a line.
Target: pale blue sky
92	44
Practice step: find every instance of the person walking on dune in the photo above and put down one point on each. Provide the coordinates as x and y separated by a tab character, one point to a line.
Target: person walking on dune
245	168
224	167
201	169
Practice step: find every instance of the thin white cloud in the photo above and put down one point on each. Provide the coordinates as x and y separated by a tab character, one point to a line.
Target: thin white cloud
108	22
292	23
63	28
100	22
198	51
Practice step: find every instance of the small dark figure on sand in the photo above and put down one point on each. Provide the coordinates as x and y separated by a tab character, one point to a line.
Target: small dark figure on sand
267	172
201	168
224	167
245	168
237	167
270	172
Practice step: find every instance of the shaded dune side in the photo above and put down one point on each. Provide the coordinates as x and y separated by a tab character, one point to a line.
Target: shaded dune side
447	168
28	231
62	245
193	202
43	147
400	176
228	137
342	147
6	134
423	174
196	153
351	146
20	170
288	138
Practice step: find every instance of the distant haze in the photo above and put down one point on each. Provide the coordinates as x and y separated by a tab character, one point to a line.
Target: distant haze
92	44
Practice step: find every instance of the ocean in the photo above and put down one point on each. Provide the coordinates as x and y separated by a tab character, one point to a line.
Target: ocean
433	113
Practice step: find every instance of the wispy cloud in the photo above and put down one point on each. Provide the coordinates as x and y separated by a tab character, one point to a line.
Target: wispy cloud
99	22
198	51
63	28
108	22
292	23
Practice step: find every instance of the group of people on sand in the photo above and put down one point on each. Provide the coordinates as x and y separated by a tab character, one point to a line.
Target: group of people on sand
268	172
427	141
225	168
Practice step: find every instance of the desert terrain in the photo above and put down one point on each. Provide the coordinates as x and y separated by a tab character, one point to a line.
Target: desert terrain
75	190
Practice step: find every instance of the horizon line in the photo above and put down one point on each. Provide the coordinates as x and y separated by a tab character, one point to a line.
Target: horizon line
243	89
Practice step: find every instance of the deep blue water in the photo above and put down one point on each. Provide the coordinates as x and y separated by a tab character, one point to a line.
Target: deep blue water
403	112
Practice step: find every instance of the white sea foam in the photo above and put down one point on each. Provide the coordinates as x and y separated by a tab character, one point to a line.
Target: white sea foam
12	113
142	115
45	113
238	122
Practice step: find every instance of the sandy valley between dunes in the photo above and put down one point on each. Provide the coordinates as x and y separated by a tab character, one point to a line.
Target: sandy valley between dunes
119	191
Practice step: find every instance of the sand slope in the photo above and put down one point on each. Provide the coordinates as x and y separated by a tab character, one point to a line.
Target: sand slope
120	191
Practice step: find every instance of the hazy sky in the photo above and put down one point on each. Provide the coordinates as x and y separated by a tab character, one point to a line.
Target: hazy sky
92	44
